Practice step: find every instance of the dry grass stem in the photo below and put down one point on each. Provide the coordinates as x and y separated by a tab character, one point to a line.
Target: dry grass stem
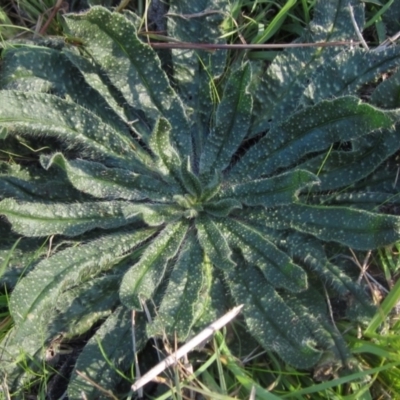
217	46
198	339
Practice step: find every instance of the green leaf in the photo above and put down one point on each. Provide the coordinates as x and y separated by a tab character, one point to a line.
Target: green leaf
310	130
109	183
35	296
277	267
187	293
271	321
29	69
195	71
17	256
358	229
310	306
104	362
337	169
29	183
140	282
43	219
277	92
190	181
349	71
94	77
78	309
311	251
212	187
44	114
249	173
277	190
222	208
167	158
214	243
134	68
232	122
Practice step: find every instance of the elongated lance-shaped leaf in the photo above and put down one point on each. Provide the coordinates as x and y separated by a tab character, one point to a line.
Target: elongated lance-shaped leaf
214	243
195	71
277	91
36	294
189	180
348	71
140	282
70	219
216	302
212	186
30	183
186	295
17	256
26	68
221	208
277	267
358	229
109	183
311	251
105	357
159	214
309	130
135	69
272	322
277	190
93	75
167	157
232	123
78	309
383	179
311	306
338	169
40	114
369	201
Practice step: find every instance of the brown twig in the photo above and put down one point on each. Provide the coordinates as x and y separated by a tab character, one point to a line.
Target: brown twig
216	46
56	8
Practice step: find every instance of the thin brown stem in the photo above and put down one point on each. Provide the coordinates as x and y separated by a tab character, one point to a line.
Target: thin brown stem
216	46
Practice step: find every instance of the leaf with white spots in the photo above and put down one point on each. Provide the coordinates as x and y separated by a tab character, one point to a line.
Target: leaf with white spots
140	282
312	253
271	321
134	69
278	268
30	183
167	157
108	344
232	123
337	169
40	114
214	243
277	91
34	298
110	183
70	219
346	73
51	71
358	229
310	130
278	190
187	293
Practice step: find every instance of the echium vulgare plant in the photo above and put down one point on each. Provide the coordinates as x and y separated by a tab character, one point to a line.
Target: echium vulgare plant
191	189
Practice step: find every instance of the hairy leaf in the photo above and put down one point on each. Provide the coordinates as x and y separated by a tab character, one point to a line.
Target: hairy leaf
187	293
140	282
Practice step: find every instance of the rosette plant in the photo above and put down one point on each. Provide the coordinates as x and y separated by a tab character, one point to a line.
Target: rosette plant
190	185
